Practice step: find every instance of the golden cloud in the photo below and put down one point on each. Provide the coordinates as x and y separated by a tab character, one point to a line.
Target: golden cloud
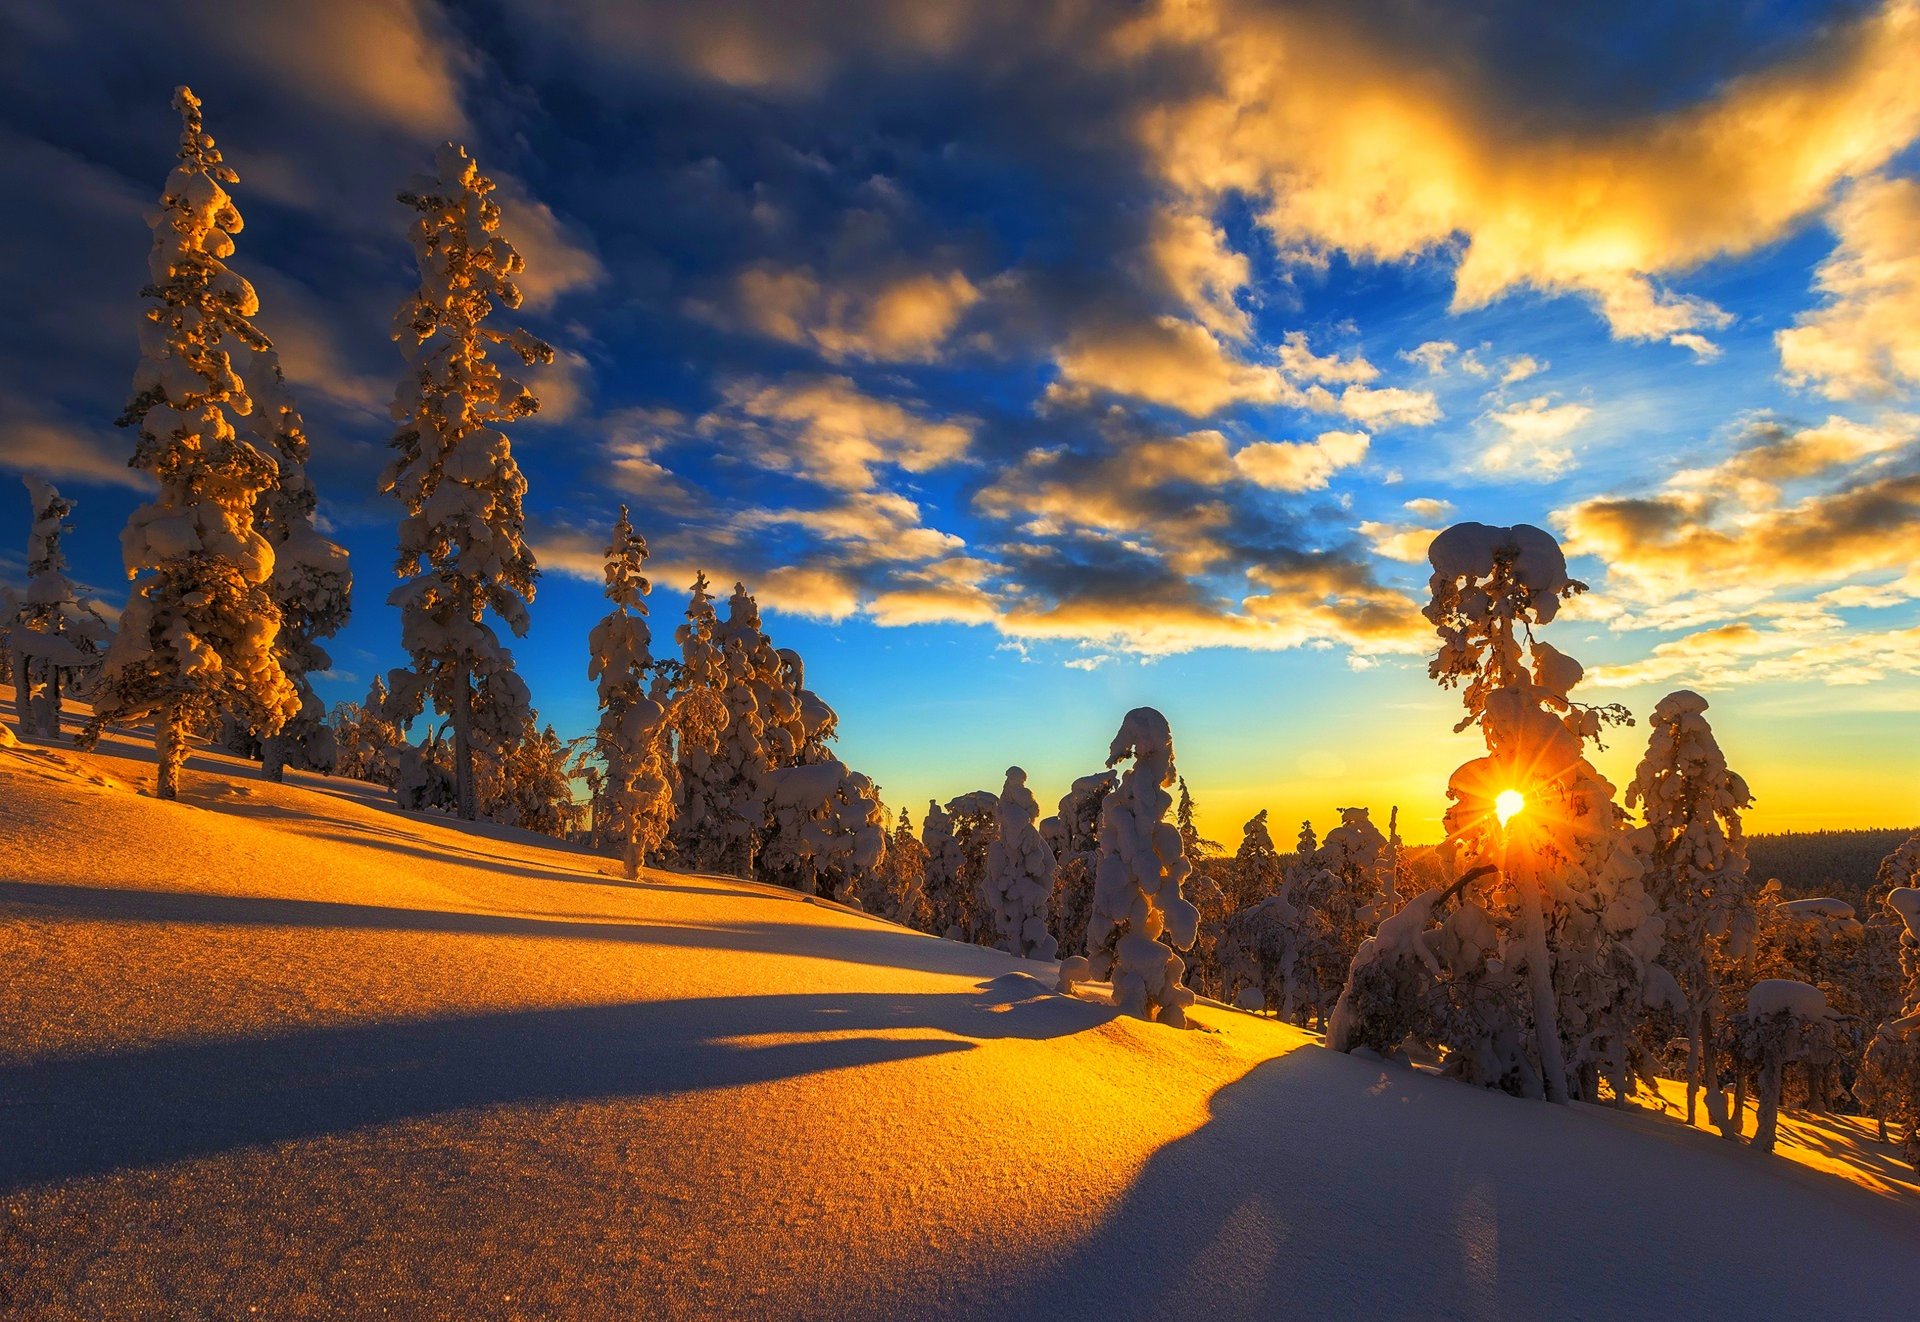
1865	340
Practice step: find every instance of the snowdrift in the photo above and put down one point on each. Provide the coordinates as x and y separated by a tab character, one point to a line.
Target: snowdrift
285	1048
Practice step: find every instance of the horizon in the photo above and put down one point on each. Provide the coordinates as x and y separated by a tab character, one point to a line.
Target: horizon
1023	391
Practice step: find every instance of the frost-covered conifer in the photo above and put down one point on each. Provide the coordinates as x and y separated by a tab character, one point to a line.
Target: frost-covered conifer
463	551
1020	871
311	581
1137	883
1537	982
901	882
529	783
1697	873
1785	1023
1256	864
198	639
50	632
957	840
635	804
366	740
1074	835
699	833
830	828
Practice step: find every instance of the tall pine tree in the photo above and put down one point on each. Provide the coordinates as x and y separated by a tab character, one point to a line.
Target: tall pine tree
199	637
463	551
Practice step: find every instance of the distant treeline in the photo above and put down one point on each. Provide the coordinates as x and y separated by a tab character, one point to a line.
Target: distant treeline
1839	863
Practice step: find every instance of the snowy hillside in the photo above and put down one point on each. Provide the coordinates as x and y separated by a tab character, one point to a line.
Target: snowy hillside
282	1047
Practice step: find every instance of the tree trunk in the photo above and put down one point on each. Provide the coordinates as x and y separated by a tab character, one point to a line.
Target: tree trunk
1710	1061
170	747
632	856
53	701
464	799
1694	1067
22	695
1737	1121
1763	1129
273	758
1546	1017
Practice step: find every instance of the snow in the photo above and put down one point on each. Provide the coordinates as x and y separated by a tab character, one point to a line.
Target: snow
1777	995
1905	901
284	1050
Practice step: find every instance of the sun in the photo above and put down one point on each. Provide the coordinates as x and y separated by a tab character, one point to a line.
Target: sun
1507	803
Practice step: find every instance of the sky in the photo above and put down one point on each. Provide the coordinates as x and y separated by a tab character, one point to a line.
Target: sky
1037	359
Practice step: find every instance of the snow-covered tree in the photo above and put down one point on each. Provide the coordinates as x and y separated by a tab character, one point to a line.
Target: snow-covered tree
635	804
1538	981
366	740
463	552
830	828
1785	1023
311	581
900	883
1137	882
1020	869
529	783
49	631
1256	864
198	640
1074	836
701	831
1697	873
957	839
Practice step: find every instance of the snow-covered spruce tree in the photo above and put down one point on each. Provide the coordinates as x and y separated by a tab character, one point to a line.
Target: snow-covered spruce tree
1256	864
901	881
1888	1080
529	783
944	861
635	804
699	831
1785	1023
1337	895
198	638
1074	835
1137	882
1020	871
734	788
463	551
1537	983
366	740
311	581
830	828
52	633
1696	873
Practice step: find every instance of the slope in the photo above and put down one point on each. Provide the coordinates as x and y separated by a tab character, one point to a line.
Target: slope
285	1049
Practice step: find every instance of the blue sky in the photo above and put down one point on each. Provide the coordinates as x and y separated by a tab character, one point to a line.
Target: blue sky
1034	361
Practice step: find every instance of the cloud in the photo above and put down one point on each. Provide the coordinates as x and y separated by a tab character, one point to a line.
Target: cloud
898	317
1432	355
1724	541
54	448
1519	368
1864	341
1402	542
560	259
1183	365
1301	465
826	429
1741	654
1191	255
1429	507
1444	160
1533	432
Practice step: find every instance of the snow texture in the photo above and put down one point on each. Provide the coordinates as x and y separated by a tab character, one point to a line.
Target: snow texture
315	1056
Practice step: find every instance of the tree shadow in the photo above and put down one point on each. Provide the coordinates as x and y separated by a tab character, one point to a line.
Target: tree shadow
1327	1185
77	1116
872	944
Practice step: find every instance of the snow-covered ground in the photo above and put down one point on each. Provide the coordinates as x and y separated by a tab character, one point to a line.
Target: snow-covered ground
285	1051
